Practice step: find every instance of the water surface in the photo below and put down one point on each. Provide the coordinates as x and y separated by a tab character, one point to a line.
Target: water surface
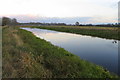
103	52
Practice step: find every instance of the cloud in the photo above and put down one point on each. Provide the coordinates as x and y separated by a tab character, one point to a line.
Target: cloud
61	10
68	20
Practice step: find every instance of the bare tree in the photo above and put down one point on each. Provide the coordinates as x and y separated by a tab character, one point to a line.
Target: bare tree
77	24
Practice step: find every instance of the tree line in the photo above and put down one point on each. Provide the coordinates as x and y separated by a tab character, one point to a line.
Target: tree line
9	21
102	25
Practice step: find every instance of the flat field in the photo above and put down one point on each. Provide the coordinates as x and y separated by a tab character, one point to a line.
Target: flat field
103	32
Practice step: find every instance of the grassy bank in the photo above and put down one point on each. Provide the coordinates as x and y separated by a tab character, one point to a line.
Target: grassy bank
27	56
0	52
103	32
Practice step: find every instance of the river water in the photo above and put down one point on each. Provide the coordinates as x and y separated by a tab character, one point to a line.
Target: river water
103	52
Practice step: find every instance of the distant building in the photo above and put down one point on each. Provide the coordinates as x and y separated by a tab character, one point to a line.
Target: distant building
119	12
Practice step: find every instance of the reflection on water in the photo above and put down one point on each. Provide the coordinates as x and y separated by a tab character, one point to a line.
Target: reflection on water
100	51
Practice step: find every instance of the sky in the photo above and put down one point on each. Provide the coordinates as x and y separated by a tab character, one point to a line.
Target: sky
119	12
68	11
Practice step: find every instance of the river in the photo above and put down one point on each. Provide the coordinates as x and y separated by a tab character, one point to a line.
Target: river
103	52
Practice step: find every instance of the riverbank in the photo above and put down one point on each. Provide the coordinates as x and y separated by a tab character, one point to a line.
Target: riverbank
0	52
103	32
27	56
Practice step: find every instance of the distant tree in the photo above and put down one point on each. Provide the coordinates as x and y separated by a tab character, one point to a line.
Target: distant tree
6	21
0	21
77	23
89	25
13	21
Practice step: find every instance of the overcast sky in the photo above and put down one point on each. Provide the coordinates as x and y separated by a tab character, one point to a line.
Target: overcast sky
69	11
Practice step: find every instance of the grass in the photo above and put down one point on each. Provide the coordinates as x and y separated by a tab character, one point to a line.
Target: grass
0	52
26	56
103	32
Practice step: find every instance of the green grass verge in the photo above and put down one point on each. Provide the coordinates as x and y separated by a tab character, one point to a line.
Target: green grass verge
0	52
26	56
103	32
